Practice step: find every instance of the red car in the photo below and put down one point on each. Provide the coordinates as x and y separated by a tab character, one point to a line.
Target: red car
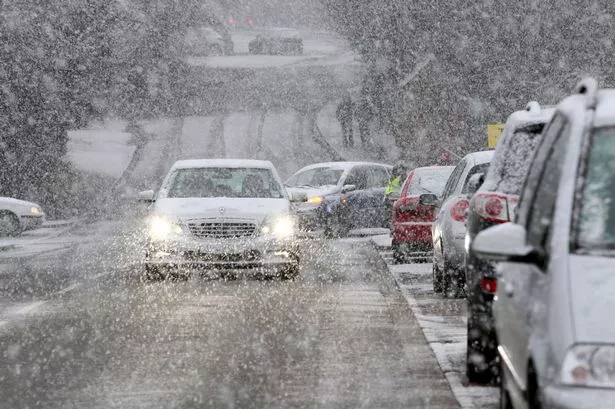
415	211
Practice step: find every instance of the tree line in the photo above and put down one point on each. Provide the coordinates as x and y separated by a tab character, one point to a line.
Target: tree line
446	69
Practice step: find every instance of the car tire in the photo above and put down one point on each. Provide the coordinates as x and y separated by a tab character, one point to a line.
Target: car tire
289	273
216	51
437	279
451	288
151	273
478	374
9	224
505	402
399	257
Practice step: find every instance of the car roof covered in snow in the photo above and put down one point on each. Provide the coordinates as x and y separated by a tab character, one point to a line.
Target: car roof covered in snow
341	165
222	163
480	157
428	168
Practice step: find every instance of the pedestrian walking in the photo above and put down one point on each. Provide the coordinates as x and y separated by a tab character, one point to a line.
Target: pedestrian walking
344	114
364	116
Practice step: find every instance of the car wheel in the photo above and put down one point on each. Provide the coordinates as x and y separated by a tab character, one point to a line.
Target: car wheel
9	223
216	50
437	279
480	367
505	402
289	272
452	283
151	273
399	257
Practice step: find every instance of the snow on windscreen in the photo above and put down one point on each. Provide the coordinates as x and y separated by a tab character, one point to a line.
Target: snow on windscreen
315	177
597	203
224	182
429	181
513	162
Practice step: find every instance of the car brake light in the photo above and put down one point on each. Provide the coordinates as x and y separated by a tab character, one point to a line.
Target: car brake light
489	285
458	211
491	207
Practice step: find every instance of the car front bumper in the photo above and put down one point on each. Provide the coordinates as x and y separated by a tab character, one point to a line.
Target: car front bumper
566	397
223	254
32	222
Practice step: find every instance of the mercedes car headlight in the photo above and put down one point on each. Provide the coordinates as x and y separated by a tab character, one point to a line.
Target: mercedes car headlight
35	210
589	365
161	228
281	227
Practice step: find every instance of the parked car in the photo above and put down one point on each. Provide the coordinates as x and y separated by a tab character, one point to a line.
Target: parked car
221	214
201	41
19	215
362	203
324	184
555	290
414	212
494	203
448	232
277	41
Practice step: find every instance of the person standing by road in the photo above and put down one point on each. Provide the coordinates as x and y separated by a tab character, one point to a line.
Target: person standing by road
344	114
364	115
393	189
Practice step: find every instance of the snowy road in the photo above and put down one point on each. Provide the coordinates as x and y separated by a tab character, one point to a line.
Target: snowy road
340	336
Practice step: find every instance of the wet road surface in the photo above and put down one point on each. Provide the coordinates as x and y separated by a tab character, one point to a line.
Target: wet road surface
340	336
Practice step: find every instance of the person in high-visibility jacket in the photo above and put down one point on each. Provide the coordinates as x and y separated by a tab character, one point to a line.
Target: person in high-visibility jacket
398	177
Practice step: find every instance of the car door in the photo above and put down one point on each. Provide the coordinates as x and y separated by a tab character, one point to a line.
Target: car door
448	192
362	200
522	285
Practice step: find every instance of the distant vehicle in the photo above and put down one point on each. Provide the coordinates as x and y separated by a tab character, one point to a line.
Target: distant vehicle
414	212
324	183
554	300
277	41
361	204
19	215
204	41
494	203
221	214
448	233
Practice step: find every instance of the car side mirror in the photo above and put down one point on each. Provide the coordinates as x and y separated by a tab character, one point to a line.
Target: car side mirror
348	188
428	199
147	196
505	242
475	182
298	197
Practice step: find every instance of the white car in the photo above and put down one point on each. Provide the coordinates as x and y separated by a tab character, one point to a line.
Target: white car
221	215
555	291
448	229
19	215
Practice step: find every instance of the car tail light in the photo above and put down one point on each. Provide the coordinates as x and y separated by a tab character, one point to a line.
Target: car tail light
494	207
489	285
458	211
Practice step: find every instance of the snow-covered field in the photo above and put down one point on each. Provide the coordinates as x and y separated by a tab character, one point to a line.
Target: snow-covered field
444	324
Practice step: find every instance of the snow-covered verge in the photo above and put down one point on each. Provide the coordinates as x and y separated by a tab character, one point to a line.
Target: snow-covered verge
444	324
52	236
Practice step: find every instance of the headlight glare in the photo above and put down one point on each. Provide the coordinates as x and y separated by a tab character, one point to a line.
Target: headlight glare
35	210
161	228
281	226
315	200
589	365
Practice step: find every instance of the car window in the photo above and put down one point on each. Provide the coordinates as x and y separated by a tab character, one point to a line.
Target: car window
512	160
429	181
550	134
454	178
482	168
596	204
543	206
223	182
378	177
357	177
316	177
